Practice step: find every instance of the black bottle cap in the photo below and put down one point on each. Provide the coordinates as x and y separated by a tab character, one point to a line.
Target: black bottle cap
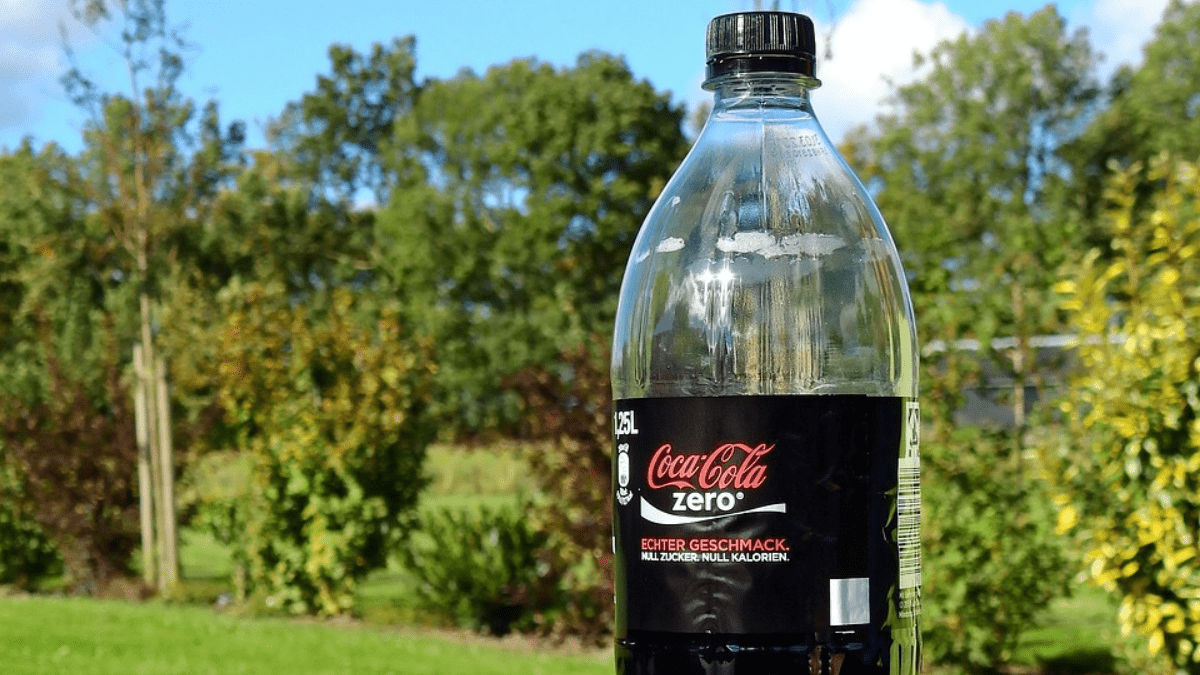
761	42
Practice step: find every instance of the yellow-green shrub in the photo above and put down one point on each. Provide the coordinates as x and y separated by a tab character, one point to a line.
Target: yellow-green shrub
329	407
1128	472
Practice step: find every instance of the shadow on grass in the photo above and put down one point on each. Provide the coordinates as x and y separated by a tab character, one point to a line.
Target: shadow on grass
209	590
1089	661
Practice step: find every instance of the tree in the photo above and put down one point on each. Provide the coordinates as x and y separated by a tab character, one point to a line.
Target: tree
969	175
517	197
1160	101
968	171
257	231
148	181
1127	472
335	135
1153	108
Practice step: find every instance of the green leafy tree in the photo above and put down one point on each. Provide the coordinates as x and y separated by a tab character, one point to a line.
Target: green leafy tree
307	398
152	163
285	227
1128	472
969	174
967	169
262	230
518	194
512	199
334	136
1153	108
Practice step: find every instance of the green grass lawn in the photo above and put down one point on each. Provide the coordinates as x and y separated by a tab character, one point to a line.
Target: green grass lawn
494	470
202	557
1076	636
45	635
49	635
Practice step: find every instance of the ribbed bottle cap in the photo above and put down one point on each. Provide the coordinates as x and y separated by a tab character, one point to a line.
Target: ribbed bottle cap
761	42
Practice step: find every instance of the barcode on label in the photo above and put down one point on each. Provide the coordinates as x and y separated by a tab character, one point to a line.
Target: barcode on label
908	501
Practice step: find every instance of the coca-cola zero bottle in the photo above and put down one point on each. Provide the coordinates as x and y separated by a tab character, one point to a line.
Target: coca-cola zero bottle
766	466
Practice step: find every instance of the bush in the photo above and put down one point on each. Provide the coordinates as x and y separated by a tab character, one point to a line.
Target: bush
571	409
993	562
328	412
482	568
26	554
1128	477
72	448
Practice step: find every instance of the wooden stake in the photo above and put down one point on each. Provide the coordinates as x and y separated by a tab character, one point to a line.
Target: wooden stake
145	478
170	540
152	426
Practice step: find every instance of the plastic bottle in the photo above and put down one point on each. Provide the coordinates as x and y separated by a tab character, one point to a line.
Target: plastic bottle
766	466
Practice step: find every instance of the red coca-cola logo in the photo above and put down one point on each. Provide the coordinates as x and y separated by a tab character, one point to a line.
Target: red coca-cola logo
735	465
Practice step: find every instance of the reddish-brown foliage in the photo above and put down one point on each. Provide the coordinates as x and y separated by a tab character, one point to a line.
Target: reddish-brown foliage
77	454
571	408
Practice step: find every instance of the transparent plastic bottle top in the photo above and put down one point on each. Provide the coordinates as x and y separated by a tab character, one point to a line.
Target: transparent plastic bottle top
764	267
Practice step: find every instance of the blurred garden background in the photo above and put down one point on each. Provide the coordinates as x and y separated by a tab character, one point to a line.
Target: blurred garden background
358	372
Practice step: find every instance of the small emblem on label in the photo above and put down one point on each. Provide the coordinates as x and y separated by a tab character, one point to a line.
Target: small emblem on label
624	494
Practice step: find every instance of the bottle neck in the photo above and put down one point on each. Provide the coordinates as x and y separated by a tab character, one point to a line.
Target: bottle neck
762	91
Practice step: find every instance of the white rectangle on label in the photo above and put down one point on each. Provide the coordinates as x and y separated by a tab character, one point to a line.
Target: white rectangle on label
849	601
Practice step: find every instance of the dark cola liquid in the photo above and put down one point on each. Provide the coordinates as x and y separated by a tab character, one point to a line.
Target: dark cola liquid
672	654
767	534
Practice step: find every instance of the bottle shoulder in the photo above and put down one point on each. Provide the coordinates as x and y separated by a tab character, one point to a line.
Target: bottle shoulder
764	267
773	190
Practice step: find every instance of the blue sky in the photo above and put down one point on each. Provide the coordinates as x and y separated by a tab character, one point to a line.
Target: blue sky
256	55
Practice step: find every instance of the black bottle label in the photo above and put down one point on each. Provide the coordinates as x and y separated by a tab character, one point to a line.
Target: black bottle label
767	515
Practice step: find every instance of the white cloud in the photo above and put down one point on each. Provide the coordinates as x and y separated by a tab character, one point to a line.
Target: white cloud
30	56
1120	29
29	27
19	61
875	39
20	12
